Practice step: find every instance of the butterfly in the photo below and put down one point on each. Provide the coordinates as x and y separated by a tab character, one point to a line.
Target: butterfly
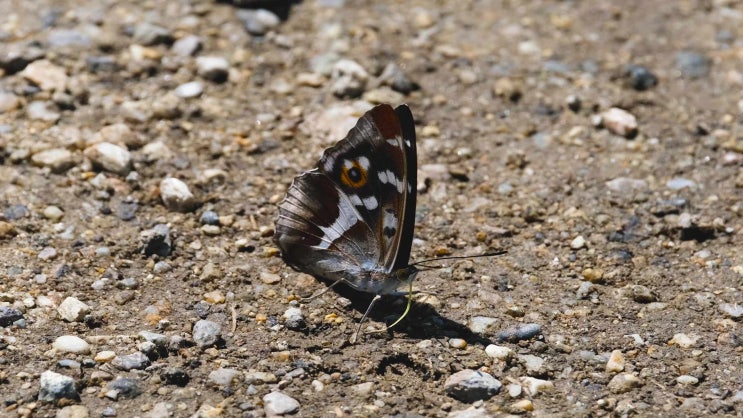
351	218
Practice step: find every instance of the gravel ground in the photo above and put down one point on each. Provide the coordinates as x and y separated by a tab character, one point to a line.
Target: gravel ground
144	147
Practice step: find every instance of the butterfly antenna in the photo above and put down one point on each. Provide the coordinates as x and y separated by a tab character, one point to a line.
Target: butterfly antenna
458	257
355	335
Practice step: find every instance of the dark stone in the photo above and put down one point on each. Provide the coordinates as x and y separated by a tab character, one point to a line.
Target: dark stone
175	376
127	387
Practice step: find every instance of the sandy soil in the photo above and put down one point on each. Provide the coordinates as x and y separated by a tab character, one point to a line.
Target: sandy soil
619	294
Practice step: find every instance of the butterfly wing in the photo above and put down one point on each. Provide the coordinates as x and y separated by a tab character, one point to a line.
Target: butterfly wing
375	165
352	218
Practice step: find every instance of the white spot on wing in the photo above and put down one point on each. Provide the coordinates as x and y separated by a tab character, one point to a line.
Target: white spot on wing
347	218
355	199
364	162
382	176
407	143
370	203
392	142
329	163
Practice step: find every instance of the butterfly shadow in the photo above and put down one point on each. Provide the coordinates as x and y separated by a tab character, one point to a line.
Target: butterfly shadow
422	321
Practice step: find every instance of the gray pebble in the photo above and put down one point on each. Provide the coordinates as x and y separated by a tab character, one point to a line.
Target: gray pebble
148	348
38	110
692	64
534	365
149	34
157	241
126	211
523	332
176	195
258	22
209	217
9	102
626	185
224	377
9	315
679	183
125	387
213	68
187	46
639	77
159	340
55	386
480	324
206	333
58	160
585	289
624	382
278	403
642	294
134	361
108	412
471	385
732	310
189	90
110	157
294	319
394	77
161	267
349	78
14	212
48	253
16	57
101	64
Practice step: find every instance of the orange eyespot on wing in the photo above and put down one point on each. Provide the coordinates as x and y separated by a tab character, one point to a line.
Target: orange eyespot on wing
353	175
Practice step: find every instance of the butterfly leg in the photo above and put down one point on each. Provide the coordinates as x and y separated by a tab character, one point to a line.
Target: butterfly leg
355	335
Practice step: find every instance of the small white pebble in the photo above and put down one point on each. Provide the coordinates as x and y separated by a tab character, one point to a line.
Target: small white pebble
578	242
457	343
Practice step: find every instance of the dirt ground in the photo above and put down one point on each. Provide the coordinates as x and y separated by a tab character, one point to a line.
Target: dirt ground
620	293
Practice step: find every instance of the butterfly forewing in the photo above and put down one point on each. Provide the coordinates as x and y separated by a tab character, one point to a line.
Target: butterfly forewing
375	166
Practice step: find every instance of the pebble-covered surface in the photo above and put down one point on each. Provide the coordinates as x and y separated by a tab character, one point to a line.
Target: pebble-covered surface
144	147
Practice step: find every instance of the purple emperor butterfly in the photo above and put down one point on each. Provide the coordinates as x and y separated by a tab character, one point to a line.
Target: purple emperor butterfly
351	219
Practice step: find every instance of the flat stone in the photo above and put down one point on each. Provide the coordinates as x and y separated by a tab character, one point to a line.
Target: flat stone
46	75
146	33
134	361
279	403
54	386
125	387
110	157
471	385
224	377
71	344
187	46
624	382
206	333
